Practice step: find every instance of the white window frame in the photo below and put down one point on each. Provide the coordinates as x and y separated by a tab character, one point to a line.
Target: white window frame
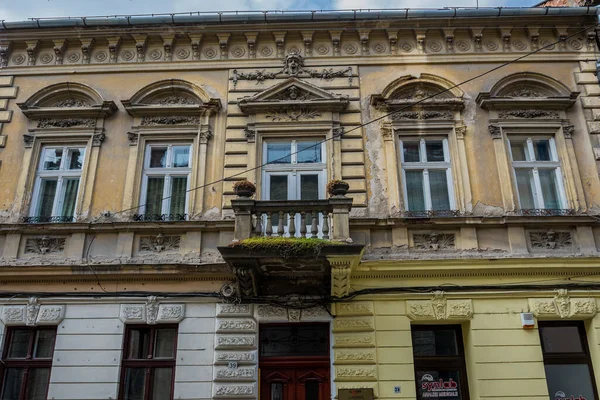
294	169
535	166
426	166
61	174
167	172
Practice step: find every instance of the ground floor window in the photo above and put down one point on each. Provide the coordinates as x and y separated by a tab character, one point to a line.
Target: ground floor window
567	362
26	362
439	358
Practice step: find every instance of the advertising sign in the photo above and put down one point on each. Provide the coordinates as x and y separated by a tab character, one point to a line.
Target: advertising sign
355	394
434	385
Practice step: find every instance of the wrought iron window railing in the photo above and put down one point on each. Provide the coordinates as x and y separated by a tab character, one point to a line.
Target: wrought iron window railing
160	217
432	214
545	212
53	219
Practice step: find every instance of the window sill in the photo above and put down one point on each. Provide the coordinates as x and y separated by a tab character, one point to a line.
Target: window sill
46	220
159	217
544	212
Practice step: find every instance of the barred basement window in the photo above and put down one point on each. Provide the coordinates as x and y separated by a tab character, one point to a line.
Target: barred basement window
57	184
148	367
569	372
439	358
165	183
427	174
26	363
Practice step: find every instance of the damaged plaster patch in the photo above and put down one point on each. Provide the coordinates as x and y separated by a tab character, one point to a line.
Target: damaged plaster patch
378	202
213	214
486	210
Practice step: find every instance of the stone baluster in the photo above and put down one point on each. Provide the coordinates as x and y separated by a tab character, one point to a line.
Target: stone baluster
303	224
292	227
314	227
325	225
258	227
269	227
280	229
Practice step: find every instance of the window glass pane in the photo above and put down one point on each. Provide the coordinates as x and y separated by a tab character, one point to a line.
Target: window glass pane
139	340
47	193
279	153
181	156
279	187
569	381
294	340
158	157
438	384
434	150
435	342
70	188
525	188
549	188
13	379
311	390
440	199
135	379
414	190
309	152
52	159
165	343
154	195
178	194
277	391
519	150
75	158
44	343
161	386
37	384
19	343
411	151
309	187
561	339
541	148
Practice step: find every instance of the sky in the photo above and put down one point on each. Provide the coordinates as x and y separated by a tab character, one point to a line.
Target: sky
16	10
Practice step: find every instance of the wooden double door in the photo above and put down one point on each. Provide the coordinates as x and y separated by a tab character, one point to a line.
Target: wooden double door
294	383
294	362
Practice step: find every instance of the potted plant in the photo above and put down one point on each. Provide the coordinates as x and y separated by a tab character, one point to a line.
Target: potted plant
337	188
244	188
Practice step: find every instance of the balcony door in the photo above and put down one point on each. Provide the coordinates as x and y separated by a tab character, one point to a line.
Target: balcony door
294	362
295	170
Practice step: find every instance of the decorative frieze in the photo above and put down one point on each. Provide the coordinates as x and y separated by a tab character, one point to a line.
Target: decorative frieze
169	120
422	115
551	240
235	391
242	357
355	373
314	314
358	356
292	114
236	325
439	308
354	340
234	310
267	311
152	312
343	324
160	243
434	241
235	374
527	114
231	341
45	245
66	123
354	308
563	306
33	314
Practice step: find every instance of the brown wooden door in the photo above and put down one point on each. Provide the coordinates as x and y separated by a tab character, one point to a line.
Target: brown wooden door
299	383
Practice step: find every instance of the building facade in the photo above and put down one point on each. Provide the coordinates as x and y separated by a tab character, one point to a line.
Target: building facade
462	262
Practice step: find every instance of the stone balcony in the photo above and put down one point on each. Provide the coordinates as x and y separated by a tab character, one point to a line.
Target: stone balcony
321	268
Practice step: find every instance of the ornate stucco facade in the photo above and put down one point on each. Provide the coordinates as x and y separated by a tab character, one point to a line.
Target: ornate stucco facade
225	85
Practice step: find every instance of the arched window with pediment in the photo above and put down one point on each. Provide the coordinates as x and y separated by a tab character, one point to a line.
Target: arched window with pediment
65	131
423	137
533	144
168	139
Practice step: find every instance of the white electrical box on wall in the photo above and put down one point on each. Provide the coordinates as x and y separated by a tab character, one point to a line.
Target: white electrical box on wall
527	320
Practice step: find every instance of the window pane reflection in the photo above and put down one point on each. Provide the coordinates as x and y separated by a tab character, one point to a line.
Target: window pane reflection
309	152
279	153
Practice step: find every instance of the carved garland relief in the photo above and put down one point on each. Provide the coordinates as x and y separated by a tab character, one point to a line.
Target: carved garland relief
152	312
439	308
563	306
33	314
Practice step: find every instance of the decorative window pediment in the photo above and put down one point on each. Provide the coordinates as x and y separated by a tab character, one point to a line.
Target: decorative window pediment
66	105
530	92
293	92
170	98
405	91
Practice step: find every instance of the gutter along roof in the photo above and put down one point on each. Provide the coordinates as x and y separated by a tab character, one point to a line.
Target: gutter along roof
253	17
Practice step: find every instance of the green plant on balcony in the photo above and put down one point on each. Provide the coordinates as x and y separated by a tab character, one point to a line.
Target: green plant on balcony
284	247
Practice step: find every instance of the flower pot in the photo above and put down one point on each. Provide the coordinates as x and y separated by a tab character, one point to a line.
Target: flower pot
339	189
